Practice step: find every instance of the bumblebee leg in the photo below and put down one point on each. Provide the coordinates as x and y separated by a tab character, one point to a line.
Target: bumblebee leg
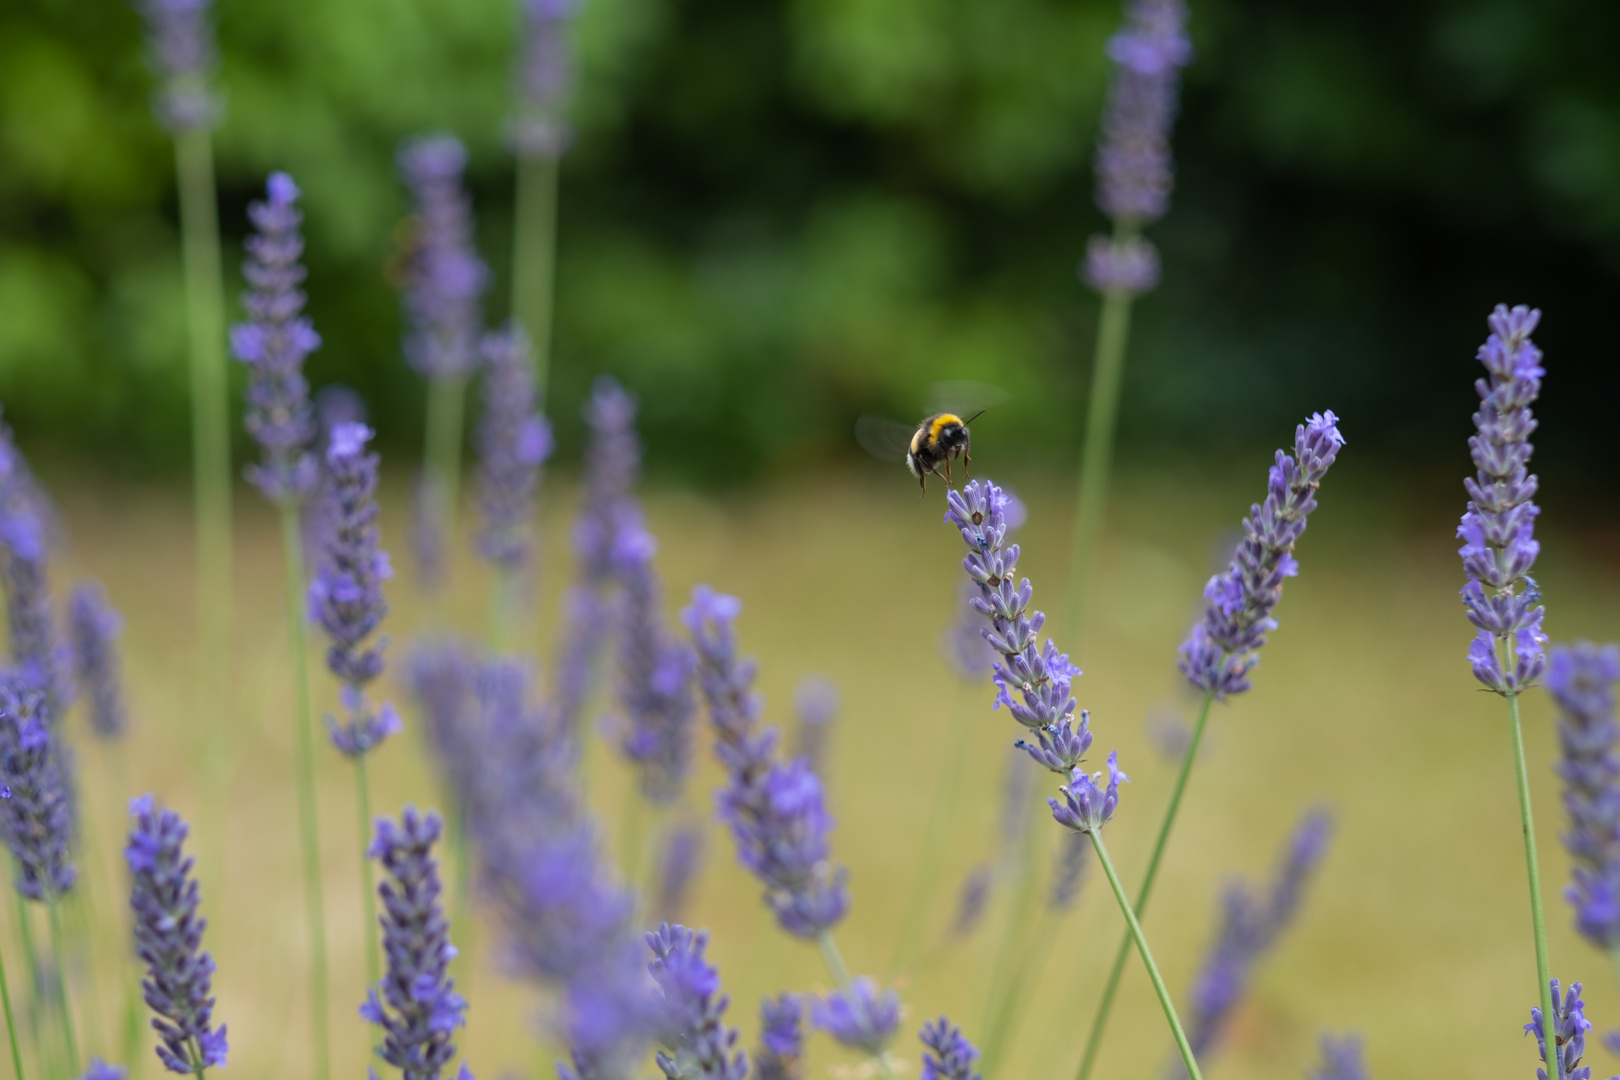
966	457
948	479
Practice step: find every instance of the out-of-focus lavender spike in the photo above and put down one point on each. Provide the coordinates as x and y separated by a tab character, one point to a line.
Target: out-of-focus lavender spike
1250	927
346	596
655	672
444	277
1069	872
678	866
950	1056
180	45
775	811
781	1040
545	79
514	440
1129	266
697	1043
416	1003
1498	531
1034	683
1225	643
1569	1029
164	898
815	707
1341	1059
441	676
971	901
93	627
36	817
1582	680
273	343
1017	779
37	658
861	1018
100	1070
427	533
334	404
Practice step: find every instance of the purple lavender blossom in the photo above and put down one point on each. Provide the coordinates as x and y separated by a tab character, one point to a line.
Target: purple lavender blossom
781	1040
655	673
274	342
1569	1029
1127	266
514	440
93	628
36	819
335	404
962	642
678	865
1341	1059
971	901
1582	680
445	277
545	78
697	1043
416	1003
1250	927
1069	873
860	1018
775	811
1225	643
25	530
1040	677
180	41
815	707
950	1055
346	596
1498	531
168	935
100	1070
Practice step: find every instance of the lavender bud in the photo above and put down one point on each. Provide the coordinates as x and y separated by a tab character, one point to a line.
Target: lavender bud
36	818
1127	266
1133	151
971	901
1341	1059
273	343
94	626
697	1043
416	1003
1582	680
1087	806
168	936
1569	1028
180	42
781	1041
860	1018
1069	873
951	1056
514	440
544	80
444	277
815	706
1225	644
678	866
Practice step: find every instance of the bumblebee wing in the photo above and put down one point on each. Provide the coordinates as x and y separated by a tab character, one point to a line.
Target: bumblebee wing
965	398
883	438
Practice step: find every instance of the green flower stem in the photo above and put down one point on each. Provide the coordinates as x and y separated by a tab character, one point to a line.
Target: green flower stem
1147	957
534	259
11	1023
309	822
43	1052
81	918
1018	910
210	429
840	973
368	893
1097	453
931	860
446	411
1537	921
1145	892
62	1002
200	1071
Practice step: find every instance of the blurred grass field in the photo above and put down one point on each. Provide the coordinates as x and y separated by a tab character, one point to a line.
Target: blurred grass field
1416	932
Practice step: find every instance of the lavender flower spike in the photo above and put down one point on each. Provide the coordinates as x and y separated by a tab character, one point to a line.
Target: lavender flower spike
25	532
346	596
781	1041
445	277
1498	531
273	343
678	865
695	1032
655	673
1582	680
168	936
815	706
1341	1059
100	1070
1569	1028
182	54
416	1004
544	78
1225	643
860	1017
94	626
35	818
951	1056
514	440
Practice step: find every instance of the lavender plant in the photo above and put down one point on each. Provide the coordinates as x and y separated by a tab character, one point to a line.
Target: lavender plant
1134	177
1498	552
274	343
100	1070
1582	680
860	1017
950	1056
678	865
37	816
781	1040
815	708
1564	1026
1224	644
1341	1059
697	1043
93	629
168	936
37	656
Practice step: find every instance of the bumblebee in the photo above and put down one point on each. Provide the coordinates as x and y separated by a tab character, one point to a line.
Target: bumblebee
928	448
938	439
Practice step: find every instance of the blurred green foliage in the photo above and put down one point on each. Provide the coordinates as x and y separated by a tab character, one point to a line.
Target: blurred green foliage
781	213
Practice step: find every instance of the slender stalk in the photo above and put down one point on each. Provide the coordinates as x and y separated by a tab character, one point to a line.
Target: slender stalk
210	428
1538	923
840	973
1147	957
931	860
61	983
309	828
82	925
1018	912
1012	1000
534	259
445	413
1097	453
368	896
36	1033
200	1071
1145	892
11	1023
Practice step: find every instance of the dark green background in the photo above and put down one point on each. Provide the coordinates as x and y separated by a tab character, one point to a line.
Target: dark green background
781	214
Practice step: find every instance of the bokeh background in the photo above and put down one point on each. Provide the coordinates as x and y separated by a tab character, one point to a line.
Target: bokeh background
779	215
